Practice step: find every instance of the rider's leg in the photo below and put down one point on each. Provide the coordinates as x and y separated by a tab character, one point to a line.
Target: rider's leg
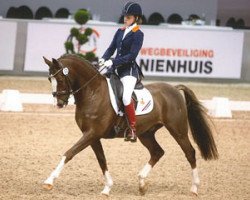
129	85
130	112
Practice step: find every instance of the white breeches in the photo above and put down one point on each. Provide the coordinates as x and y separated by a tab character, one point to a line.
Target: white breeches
128	88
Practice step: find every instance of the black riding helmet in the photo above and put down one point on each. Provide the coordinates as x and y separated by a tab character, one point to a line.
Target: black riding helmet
132	8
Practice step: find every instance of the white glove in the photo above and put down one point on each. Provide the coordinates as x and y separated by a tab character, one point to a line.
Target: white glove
105	67
101	62
108	63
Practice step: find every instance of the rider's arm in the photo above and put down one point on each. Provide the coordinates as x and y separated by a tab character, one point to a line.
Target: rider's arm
135	48
112	47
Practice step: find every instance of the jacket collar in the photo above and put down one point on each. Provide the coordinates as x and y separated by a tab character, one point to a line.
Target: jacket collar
129	30
134	29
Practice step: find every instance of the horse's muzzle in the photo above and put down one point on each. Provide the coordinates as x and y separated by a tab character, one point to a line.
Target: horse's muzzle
61	103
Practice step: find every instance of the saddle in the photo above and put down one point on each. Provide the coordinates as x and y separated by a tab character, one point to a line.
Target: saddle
142	99
117	87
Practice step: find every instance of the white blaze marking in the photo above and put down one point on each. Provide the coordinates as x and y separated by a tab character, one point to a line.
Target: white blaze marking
56	172
54	86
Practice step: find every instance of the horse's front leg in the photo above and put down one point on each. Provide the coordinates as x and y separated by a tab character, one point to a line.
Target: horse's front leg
98	150
84	141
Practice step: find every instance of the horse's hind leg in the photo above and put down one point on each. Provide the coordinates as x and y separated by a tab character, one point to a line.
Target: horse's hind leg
156	152
180	134
98	150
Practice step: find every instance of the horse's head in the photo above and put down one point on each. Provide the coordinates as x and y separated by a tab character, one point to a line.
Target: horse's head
59	79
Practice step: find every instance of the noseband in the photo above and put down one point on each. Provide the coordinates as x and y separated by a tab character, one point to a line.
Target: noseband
70	91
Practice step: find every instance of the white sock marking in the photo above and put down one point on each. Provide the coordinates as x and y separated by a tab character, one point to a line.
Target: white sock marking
145	171
195	177
108	183
56	172
195	181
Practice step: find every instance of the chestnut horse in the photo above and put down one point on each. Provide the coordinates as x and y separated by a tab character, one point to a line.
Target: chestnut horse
94	115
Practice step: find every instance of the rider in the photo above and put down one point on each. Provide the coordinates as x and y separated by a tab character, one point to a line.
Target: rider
128	42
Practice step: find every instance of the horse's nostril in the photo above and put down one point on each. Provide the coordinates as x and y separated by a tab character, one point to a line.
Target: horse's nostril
60	101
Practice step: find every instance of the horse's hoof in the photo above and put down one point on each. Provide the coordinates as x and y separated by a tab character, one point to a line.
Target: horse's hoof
104	194
143	189
194	194
194	190
47	186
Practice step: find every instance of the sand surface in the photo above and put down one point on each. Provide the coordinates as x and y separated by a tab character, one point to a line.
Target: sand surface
32	143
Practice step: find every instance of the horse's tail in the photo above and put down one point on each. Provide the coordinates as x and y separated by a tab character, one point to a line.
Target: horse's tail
199	125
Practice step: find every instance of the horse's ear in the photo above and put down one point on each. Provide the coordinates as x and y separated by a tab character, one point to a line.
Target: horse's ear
49	63
55	62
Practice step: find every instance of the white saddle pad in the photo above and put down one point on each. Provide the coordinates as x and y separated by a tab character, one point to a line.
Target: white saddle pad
144	97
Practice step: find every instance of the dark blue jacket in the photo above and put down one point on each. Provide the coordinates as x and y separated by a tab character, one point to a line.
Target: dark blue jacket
127	51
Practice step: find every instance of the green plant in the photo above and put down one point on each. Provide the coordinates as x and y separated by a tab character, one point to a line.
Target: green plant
69	47
90	56
81	16
74	32
80	35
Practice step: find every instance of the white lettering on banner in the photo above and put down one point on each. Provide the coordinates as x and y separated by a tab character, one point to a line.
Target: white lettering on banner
188	53
165	52
177	66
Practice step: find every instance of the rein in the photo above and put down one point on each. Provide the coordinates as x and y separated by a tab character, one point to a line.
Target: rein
65	73
74	92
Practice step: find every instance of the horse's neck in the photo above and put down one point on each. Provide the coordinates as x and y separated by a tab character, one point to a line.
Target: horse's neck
83	67
81	70
87	76
87	80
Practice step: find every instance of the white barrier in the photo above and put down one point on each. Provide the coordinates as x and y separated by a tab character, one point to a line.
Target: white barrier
12	100
28	98
221	108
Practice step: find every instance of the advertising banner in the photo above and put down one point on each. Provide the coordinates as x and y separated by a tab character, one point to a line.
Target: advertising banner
165	52
8	43
192	53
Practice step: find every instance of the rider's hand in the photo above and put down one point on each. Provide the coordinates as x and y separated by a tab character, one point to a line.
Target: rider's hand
108	63
105	67
101	62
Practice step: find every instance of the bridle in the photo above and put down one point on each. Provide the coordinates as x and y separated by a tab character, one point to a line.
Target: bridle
70	91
